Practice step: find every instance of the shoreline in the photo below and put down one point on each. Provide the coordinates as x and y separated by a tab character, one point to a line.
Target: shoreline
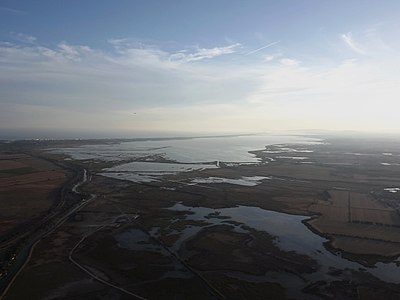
292	189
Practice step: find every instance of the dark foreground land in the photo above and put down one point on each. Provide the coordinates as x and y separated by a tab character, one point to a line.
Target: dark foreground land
69	233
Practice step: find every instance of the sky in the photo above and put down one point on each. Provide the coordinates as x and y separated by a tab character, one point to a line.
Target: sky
130	68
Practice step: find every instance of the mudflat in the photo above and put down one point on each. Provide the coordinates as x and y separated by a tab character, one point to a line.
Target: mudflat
316	221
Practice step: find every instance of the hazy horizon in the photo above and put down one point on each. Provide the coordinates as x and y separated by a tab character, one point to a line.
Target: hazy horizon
104	69
14	135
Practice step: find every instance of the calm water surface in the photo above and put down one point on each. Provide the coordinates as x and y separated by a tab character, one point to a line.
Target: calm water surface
291	235
193	150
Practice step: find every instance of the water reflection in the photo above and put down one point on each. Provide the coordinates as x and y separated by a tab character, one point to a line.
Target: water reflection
291	235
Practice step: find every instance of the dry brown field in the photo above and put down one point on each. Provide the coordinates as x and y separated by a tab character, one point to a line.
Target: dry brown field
26	185
358	223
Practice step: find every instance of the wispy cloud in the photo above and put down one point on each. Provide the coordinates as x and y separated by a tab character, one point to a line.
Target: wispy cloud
64	74
205	53
12	11
290	62
50	86
269	58
262	48
73	52
348	39
192	54
24	38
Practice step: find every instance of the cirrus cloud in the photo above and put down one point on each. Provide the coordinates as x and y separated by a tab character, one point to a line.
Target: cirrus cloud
192	89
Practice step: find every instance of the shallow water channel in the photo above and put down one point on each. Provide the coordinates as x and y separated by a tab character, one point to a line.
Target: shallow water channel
291	235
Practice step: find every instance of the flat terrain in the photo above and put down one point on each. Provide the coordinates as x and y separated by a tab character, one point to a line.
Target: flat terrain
359	223
27	188
172	239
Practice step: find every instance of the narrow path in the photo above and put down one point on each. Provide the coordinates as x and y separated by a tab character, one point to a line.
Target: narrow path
70	257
